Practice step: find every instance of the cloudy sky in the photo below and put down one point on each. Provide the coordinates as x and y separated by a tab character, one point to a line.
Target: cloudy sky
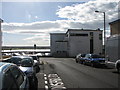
29	23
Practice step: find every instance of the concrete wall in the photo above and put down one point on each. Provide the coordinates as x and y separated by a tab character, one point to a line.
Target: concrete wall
81	44
112	48
78	45
61	49
74	42
53	38
97	42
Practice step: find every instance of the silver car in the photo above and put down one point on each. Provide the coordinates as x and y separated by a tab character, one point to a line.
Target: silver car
11	77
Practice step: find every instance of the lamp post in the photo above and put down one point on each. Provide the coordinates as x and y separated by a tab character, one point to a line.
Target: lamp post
104	30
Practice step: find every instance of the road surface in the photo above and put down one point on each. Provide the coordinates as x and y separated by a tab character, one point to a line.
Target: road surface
76	75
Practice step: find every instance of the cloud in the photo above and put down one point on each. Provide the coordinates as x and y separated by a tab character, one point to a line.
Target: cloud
85	13
77	15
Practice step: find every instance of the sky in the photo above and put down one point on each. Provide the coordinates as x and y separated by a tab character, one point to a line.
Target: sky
29	23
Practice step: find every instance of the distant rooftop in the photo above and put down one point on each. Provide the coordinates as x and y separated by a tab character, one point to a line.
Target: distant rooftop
57	33
114	21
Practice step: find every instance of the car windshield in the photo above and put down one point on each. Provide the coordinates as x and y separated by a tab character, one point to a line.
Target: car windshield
15	60
96	56
34	57
26	62
83	55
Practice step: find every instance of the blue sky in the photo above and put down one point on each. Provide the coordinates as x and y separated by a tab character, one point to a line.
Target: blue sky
27	12
29	23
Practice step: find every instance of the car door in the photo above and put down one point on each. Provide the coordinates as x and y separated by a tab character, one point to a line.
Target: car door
20	78
9	82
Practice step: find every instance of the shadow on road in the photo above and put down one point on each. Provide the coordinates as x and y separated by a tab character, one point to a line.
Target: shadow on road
34	84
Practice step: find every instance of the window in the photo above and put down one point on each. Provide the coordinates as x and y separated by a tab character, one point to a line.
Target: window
75	34
8	81
100	36
18	75
15	60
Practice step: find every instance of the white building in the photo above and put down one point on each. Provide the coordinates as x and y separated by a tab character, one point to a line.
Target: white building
0	40
58	44
76	41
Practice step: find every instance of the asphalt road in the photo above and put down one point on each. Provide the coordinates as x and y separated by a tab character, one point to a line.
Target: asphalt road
76	75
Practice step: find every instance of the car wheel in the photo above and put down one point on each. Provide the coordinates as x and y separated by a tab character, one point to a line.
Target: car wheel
118	69
92	64
76	61
84	63
80	62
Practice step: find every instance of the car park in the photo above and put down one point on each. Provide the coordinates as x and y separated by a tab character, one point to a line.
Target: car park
117	66
94	60
80	58
26	64
11	77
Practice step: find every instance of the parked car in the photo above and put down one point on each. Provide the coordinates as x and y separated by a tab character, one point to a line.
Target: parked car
11	77
80	58
117	65
94	60
26	64
36	59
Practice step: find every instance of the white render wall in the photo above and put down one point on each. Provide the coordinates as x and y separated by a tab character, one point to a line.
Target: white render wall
97	43
75	44
81	44
53	38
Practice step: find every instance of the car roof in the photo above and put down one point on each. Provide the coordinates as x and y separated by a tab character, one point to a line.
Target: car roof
20	57
4	65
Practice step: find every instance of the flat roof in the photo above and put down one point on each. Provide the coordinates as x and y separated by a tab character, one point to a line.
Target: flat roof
114	21
58	33
83	30
75	30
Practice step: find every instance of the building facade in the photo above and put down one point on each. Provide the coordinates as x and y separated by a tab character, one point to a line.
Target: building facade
84	41
113	42
0	40
58	44
76	41
115	27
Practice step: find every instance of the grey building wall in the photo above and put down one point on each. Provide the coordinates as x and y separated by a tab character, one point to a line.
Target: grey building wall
112	48
54	38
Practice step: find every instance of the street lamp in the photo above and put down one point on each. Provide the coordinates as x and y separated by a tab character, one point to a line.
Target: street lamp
104	29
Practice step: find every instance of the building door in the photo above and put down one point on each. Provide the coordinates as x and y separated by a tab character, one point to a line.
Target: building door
91	42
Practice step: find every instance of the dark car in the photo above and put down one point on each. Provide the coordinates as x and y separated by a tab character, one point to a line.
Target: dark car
26	64
11	77
80	58
94	60
117	65
36	59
